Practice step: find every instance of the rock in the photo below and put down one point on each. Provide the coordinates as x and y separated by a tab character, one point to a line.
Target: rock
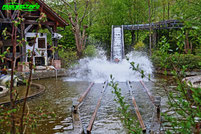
194	80
6	78
40	68
3	91
68	128
51	68
58	127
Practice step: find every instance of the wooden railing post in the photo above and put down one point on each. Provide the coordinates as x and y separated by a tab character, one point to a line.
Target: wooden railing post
157	103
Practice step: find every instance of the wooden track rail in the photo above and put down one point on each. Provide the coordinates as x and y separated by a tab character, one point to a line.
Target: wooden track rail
136	109
148	92
85	93
89	128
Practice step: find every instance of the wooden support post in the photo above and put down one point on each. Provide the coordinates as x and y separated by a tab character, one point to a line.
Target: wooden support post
75	106
23	48
157	103
2	14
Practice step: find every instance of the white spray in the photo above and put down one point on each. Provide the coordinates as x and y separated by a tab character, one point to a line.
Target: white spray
99	69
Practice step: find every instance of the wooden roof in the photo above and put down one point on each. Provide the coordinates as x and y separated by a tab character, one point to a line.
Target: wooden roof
50	13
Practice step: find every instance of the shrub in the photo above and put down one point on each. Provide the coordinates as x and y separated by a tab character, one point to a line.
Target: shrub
68	57
90	51
139	46
198	51
172	61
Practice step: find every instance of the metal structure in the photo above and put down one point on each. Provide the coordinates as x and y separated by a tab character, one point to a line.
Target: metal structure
117	37
117	43
168	24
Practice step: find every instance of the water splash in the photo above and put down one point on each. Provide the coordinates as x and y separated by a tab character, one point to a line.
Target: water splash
99	69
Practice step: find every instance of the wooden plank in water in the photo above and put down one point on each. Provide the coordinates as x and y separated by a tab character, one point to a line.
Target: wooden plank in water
138	115
136	109
89	128
148	92
85	93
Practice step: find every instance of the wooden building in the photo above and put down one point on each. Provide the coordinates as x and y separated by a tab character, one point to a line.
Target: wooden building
27	29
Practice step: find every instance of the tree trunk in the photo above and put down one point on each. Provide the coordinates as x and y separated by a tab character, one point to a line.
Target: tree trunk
163	10
149	5
168	10
187	47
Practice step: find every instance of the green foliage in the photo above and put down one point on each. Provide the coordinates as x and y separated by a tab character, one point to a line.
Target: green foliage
68	56
170	61
129	121
198	51
90	51
139	46
30	120
68	39
164	46
185	102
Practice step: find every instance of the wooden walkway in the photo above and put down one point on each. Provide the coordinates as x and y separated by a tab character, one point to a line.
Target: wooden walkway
167	24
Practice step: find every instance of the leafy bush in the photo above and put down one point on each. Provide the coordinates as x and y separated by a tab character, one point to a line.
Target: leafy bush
198	52
68	57
90	51
171	61
139	46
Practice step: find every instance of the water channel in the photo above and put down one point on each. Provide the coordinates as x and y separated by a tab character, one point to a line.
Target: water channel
60	93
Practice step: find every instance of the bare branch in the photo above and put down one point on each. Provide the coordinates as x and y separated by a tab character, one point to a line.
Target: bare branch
62	11
87	4
71	20
68	4
75	5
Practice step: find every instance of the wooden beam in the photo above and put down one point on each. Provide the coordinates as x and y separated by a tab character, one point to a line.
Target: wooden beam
2	14
50	29
27	29
15	14
50	23
23	48
136	109
5	21
148	92
138	114
85	93
89	128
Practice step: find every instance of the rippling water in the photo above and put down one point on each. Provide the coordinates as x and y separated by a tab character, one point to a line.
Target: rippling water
58	98
60	93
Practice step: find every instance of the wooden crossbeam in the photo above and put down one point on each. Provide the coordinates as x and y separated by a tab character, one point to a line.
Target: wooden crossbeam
27	28
2	14
15	14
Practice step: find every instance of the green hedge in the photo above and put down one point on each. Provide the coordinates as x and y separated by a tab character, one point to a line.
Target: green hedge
170	61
